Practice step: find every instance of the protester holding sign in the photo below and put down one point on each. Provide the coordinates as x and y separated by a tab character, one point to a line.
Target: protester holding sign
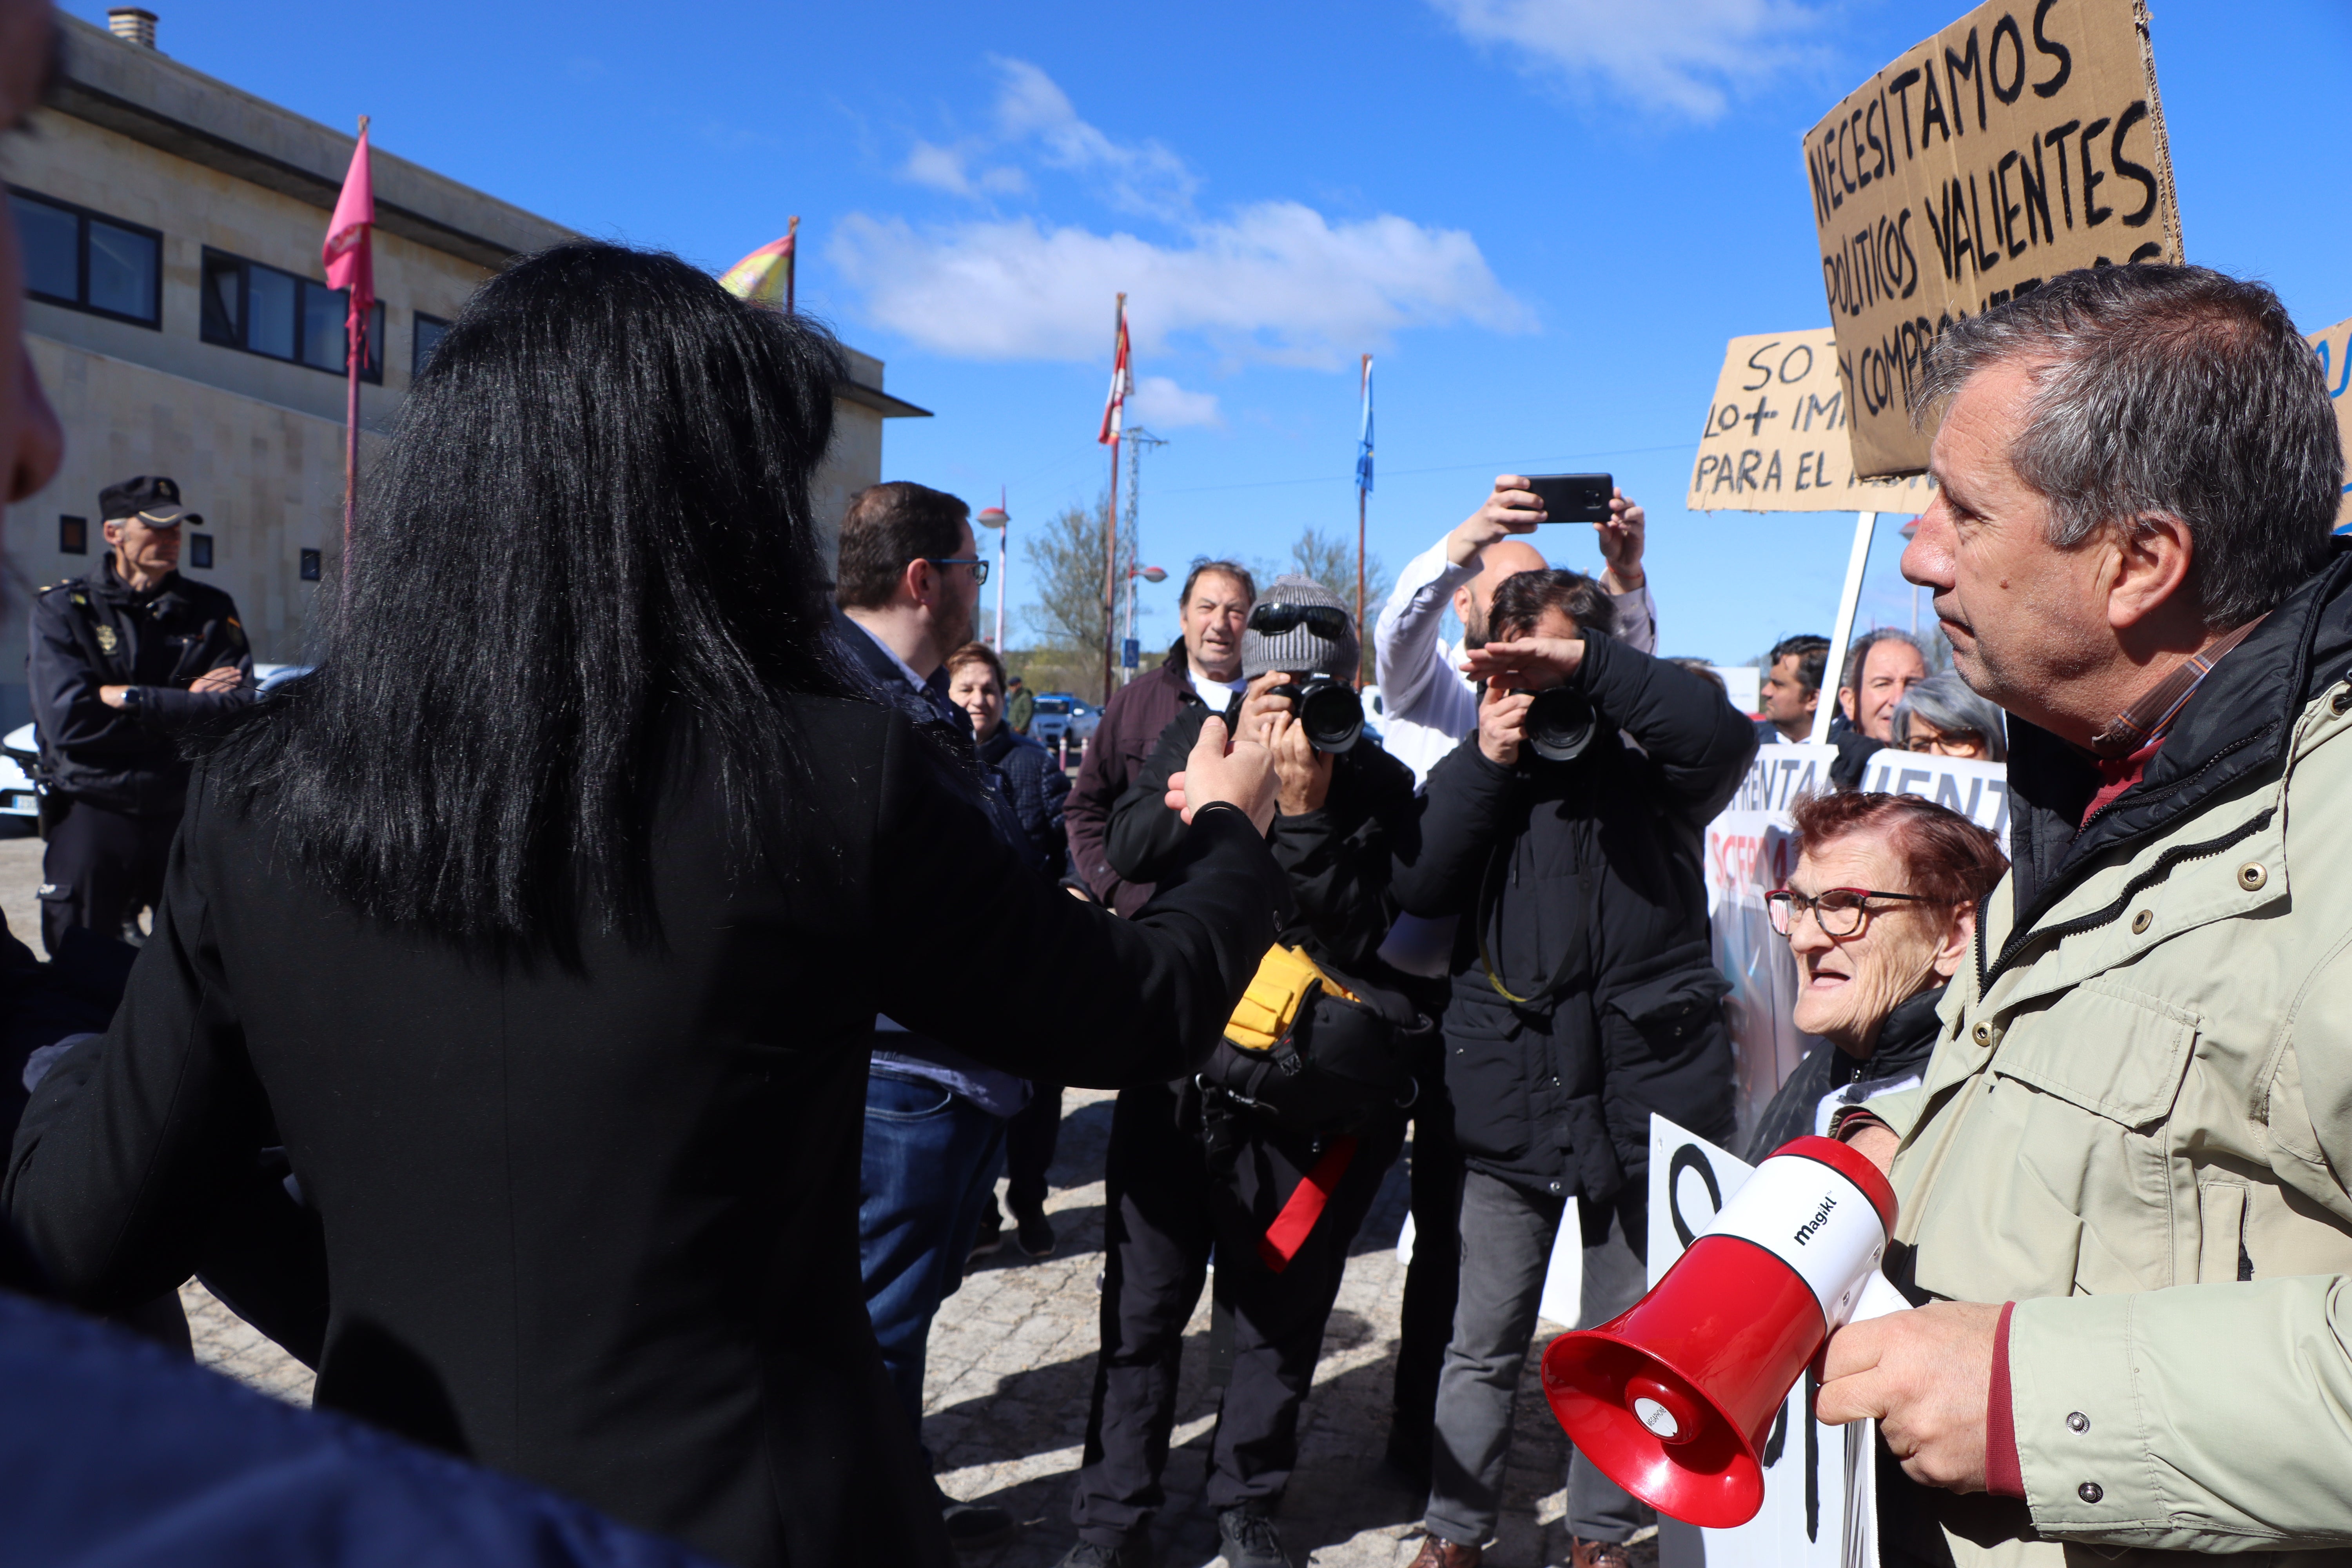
1565	835
2145	1082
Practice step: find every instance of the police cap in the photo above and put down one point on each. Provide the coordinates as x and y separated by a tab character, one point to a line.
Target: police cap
151	498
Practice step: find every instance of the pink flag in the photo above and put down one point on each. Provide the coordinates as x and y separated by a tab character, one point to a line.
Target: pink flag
348	253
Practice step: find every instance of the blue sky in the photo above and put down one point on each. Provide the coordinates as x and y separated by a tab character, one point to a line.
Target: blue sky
1544	216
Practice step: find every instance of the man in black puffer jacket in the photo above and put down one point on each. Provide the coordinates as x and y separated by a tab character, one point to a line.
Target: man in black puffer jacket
1192	1168
1584	994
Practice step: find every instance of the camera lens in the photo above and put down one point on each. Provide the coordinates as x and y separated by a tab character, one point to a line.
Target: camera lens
1330	712
1559	724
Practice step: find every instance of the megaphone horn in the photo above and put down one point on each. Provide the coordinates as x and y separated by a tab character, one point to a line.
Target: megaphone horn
1674	1397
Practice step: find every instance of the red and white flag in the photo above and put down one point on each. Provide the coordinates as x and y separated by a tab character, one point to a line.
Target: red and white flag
349	254
1122	381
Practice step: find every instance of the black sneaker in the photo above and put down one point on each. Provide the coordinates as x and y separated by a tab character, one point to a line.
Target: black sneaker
1087	1554
987	1239
974	1525
1034	1235
1249	1540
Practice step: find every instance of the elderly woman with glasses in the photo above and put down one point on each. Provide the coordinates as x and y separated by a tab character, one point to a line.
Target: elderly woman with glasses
1943	717
1880	912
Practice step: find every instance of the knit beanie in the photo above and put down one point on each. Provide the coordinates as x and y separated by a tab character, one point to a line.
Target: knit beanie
1302	649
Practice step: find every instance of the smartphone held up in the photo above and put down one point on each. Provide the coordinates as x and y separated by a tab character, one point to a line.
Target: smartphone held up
1574	497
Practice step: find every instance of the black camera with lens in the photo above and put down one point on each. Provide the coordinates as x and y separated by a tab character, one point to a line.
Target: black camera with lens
1560	724
1327	709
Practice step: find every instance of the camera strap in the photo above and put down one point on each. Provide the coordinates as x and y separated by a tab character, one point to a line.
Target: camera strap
1490	902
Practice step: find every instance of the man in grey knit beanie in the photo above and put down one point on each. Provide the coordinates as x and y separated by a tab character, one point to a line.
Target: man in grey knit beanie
1321	639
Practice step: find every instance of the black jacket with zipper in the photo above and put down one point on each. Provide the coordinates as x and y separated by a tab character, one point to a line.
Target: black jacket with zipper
1587	873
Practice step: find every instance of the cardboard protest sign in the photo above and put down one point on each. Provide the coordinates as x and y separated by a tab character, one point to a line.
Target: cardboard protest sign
1776	436
2023	141
2335	349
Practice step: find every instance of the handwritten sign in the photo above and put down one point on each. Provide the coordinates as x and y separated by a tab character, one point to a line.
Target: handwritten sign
2023	141
1776	437
2335	349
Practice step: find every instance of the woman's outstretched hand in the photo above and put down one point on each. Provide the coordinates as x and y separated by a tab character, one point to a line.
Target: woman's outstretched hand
1242	775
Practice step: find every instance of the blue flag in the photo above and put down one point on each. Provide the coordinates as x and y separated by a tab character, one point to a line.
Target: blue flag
1364	442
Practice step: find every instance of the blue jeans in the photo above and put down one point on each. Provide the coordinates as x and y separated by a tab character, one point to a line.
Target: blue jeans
930	1163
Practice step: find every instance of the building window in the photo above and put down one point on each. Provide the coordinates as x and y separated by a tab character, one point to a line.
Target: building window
430	331
73	536
200	552
309	565
78	258
279	316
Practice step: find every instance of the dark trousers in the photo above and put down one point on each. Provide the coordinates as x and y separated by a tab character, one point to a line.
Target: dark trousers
1030	1137
100	869
1171	1200
1432	1280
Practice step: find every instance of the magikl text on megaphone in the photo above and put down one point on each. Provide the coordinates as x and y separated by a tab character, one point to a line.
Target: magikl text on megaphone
1674	1397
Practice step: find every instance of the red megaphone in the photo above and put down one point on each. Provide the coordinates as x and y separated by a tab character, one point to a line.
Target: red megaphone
1673	1398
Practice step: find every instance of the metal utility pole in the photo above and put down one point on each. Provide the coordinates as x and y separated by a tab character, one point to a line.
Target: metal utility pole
1137	440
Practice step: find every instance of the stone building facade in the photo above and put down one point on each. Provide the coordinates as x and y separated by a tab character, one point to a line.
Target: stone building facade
180	323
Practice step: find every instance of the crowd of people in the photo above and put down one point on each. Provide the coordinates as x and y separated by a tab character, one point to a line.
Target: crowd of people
572	1054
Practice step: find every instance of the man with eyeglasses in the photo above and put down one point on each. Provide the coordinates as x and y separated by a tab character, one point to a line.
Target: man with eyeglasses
906	592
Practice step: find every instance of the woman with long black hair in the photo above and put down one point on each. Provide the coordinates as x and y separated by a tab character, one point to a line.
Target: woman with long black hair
544	923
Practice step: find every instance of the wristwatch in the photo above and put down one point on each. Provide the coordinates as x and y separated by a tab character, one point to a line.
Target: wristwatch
134	700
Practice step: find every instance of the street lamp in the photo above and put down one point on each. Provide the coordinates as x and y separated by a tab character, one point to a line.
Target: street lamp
997	518
1130	655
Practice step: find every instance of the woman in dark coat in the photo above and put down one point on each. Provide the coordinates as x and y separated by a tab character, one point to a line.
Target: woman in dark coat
545	924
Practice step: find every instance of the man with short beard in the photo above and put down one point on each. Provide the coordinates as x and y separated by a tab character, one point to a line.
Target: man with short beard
909	576
1429	704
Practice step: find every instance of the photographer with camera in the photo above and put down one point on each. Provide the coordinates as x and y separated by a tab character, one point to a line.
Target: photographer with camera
1271	1155
1568	835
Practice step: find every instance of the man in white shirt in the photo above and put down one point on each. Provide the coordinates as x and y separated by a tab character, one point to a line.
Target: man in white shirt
1429	703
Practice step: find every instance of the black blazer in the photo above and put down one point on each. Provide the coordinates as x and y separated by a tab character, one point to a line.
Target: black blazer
599	1228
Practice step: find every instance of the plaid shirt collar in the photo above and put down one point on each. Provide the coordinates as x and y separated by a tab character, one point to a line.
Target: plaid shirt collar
2148	720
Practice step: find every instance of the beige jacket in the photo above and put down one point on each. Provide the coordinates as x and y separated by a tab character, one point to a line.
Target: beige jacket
2138	1125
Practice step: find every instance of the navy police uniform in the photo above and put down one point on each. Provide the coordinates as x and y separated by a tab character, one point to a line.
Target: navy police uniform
116	778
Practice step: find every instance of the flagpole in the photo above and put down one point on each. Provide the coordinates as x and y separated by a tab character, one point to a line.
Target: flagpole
354	352
792	271
1110	524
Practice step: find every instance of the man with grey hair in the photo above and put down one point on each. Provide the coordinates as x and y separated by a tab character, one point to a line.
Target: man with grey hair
2124	1185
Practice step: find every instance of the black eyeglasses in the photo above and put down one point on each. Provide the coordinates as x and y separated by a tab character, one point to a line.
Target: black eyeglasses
1325	620
979	567
1839	911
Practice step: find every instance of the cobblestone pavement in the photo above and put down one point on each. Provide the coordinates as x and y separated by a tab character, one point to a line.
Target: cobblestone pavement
1012	1367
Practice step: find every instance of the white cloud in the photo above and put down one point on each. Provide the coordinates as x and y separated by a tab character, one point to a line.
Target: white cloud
1688	56
1158	400
949	169
1145	178
1276	282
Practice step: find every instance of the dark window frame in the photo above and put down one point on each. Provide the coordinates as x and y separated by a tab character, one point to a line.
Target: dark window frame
200	552
416	358
82	217
312	565
241	342
73	535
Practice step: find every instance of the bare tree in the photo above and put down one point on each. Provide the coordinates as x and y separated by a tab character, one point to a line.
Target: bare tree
1066	572
1330	560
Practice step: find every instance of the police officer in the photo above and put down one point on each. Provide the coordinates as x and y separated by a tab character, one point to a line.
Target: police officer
121	661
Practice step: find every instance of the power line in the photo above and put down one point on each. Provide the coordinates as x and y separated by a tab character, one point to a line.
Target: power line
1447	469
